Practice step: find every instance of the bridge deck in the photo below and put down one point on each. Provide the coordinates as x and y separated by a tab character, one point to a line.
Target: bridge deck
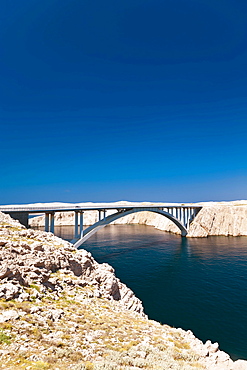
103	206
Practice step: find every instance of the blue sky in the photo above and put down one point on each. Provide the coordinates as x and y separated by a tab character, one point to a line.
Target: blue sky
134	100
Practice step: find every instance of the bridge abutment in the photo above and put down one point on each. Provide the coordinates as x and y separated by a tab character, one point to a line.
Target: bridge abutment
20	216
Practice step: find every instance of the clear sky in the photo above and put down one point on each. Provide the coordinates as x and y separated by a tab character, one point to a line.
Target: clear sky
123	100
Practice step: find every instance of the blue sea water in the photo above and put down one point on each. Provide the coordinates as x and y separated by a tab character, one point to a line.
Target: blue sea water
198	284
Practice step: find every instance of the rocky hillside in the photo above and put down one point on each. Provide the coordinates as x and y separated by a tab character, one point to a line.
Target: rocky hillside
60	309
215	218
35	257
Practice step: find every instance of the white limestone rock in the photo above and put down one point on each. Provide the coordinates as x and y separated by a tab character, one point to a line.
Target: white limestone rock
31	257
220	219
9	291
9	315
240	365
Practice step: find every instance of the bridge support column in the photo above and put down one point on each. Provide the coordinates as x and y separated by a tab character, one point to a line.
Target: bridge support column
52	223
190	216
183	216
81	224
47	216
76	235
99	215
187	218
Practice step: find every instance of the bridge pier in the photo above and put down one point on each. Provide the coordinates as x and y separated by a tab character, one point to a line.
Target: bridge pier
189	217
76	235
50	222
182	216
191	213
47	221
78	225
52	227
81	224
104	214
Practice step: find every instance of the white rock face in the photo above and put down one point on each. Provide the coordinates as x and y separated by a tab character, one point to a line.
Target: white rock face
240	365
8	315
215	218
227	220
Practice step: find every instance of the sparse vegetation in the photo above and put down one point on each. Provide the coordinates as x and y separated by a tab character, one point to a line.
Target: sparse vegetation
87	337
4	338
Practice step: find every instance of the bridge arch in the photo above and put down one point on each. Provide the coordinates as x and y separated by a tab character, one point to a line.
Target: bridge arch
88	232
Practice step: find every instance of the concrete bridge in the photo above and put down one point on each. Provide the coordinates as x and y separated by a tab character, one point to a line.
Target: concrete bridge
181	215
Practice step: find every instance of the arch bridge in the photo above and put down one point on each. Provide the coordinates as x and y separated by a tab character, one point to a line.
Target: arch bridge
181	215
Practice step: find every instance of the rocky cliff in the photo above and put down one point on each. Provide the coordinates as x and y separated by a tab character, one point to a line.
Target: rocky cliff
60	309
215	218
35	257
228	219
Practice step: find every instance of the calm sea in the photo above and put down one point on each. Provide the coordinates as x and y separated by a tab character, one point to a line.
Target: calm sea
197	284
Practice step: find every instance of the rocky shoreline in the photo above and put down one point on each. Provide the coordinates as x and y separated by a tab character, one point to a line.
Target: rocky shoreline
60	309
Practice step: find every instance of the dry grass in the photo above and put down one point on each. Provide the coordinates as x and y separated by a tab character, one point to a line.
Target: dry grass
93	334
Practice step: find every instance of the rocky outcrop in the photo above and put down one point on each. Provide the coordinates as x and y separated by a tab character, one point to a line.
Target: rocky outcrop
32	257
215	218
220	219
